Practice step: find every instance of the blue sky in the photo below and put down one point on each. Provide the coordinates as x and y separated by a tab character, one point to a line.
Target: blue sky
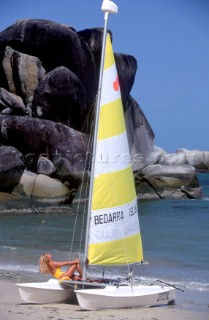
169	39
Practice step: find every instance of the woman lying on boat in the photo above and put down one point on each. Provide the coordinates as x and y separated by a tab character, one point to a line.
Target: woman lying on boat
47	265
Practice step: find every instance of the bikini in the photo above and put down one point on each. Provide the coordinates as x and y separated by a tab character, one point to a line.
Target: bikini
58	273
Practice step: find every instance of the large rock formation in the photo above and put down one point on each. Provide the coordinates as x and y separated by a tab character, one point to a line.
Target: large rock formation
23	73
48	85
167	181
36	137
11	168
11	103
54	45
195	158
60	97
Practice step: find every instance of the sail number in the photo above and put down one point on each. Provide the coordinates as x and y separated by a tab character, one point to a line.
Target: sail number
132	211
163	296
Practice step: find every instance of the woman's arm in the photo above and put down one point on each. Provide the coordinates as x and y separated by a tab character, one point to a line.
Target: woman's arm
65	263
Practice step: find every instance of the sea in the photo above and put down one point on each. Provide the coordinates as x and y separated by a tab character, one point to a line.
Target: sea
175	237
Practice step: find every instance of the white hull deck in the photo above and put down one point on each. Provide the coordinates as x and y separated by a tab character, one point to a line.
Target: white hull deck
45	292
113	297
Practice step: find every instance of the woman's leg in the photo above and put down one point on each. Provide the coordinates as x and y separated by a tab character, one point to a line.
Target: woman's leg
79	269
70	272
80	273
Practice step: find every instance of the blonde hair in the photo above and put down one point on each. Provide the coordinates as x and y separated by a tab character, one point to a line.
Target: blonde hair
43	264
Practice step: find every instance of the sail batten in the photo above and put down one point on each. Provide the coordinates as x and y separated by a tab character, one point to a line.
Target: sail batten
115	237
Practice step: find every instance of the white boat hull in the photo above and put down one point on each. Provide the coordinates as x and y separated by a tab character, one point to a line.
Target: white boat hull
45	292
113	297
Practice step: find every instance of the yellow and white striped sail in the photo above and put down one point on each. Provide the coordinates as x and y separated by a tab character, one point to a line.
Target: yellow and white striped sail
114	226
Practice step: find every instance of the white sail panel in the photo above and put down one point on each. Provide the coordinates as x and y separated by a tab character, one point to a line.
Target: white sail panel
112	155
114	223
111	90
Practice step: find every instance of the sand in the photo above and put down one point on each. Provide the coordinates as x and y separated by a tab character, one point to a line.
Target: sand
13	308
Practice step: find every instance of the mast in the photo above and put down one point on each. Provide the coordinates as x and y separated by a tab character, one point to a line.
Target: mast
107	7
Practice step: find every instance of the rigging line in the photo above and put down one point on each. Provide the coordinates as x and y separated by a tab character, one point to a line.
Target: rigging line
88	168
73	236
39	230
76	220
89	129
88	118
87	165
82	182
83	217
79	202
82	179
75	223
36	237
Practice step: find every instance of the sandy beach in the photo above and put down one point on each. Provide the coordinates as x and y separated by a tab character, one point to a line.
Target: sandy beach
13	308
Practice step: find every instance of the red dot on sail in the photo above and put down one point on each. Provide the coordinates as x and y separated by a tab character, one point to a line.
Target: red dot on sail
116	84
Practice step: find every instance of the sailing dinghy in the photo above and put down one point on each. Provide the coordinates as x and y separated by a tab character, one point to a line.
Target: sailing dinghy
45	292
113	235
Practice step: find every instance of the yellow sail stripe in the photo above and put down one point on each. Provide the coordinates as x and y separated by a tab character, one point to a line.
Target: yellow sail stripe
109	56
113	189
111	122
118	252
